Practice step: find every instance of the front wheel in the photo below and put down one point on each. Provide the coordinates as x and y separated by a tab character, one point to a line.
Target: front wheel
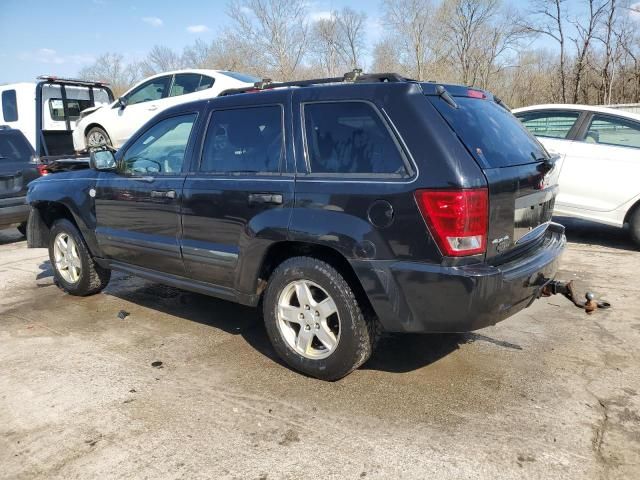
96	137
74	268
314	321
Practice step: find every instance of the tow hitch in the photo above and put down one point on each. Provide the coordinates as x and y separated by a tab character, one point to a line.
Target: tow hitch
555	287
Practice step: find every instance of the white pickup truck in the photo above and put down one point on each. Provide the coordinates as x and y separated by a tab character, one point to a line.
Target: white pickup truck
46	111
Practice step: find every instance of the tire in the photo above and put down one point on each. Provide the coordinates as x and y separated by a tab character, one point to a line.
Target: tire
634	226
83	276
22	228
97	136
354	335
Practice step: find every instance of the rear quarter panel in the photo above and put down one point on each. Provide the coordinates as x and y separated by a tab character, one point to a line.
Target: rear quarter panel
336	211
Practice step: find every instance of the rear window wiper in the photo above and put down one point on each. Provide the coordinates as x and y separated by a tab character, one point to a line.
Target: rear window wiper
547	162
443	94
501	103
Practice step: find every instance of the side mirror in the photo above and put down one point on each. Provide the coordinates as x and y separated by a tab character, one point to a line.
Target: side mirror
122	103
102	159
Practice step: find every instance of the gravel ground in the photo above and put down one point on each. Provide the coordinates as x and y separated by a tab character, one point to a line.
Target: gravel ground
550	393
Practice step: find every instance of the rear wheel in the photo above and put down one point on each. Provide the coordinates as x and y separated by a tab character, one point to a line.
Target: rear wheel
314	320
634	226
75	270
96	137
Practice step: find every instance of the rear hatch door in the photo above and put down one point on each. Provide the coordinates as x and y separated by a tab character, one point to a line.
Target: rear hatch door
521	175
16	166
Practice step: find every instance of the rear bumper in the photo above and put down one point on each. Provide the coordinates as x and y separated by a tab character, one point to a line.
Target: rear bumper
13	211
417	297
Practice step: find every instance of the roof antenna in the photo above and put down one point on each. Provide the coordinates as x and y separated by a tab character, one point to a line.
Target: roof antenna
353	75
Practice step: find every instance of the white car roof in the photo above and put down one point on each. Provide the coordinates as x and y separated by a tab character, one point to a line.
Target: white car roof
590	108
201	71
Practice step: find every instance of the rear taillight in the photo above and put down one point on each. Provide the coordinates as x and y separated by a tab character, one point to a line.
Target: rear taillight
457	219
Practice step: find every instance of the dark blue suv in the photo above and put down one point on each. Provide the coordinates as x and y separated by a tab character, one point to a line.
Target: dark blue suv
343	207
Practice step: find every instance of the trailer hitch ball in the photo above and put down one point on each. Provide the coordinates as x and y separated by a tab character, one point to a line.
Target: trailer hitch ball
565	289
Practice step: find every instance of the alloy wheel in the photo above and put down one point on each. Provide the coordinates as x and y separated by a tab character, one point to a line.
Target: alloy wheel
67	259
308	319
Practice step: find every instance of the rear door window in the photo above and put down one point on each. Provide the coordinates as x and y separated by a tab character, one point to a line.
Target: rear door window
9	106
244	140
619	132
549	124
189	83
350	138
490	132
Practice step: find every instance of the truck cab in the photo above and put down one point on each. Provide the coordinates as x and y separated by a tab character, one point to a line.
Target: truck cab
46	111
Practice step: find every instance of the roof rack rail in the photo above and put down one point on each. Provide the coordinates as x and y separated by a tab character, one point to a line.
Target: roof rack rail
76	81
353	76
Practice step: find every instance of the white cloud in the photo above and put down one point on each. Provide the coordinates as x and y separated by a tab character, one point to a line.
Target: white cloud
52	57
197	28
634	11
320	15
153	21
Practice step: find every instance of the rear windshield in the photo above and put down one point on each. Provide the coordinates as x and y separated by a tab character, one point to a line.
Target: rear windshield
493	135
14	147
243	77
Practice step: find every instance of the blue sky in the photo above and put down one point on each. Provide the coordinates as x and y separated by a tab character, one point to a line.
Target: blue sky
61	36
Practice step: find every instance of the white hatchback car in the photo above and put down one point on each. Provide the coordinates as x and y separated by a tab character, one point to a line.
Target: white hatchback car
599	151
113	124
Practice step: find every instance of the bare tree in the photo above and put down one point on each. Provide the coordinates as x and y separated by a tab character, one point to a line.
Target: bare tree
386	57
608	39
351	26
585	34
548	18
161	59
196	55
410	22
275	32
629	41
468	23
111	68
325	45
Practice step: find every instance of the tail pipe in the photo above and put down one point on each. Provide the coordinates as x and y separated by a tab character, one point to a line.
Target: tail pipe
565	289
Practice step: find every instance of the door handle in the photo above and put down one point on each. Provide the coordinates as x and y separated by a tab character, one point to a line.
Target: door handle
163	194
152	107
262	198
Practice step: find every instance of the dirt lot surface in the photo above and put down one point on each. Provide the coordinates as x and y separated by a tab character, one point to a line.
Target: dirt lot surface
550	393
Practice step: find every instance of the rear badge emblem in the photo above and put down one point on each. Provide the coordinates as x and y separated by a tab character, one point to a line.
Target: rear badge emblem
501	243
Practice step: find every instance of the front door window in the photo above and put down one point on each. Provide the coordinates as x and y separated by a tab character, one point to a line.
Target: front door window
161	149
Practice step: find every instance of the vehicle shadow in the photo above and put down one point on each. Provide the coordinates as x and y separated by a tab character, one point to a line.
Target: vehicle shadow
227	316
592	233
396	353
10	235
401	353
